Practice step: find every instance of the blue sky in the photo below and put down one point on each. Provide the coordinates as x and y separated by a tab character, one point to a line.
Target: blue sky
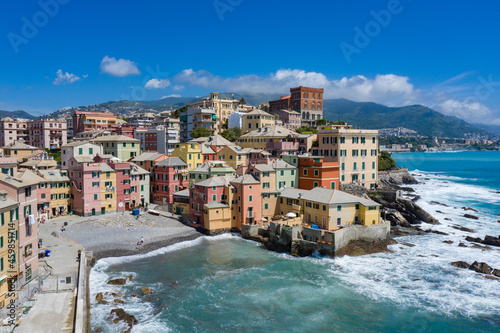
443	55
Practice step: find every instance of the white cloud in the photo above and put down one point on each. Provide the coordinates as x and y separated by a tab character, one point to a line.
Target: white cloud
389	88
178	87
157	84
470	111
120	67
173	95
65	78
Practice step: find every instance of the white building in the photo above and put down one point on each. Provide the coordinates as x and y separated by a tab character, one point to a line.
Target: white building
235	119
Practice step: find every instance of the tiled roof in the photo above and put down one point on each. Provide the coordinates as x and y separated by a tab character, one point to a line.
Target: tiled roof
20	146
119	138
245	179
329	196
55	175
147	157
171	161
216	181
271	131
30	176
16	182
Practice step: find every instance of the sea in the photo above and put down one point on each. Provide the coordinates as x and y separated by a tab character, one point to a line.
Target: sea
228	284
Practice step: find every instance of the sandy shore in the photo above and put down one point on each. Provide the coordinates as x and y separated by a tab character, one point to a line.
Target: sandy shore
117	234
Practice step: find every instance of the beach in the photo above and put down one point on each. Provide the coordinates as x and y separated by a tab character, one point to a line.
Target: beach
117	234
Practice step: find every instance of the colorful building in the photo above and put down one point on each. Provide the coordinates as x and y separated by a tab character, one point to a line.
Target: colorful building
258	138
170	176
290	119
43	192
257	119
24	192
308	101
315	172
355	150
210	169
48	133
120	146
8	236
190	153
84	175
84	121
147	160
79	148
108	189
20	150
329	209
234	156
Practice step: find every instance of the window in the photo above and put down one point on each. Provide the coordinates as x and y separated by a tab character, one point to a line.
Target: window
357	206
305	172
95	196
332	185
339	208
363	139
293	172
124	145
354	166
373	165
27	191
316	173
343	166
316	184
354	152
266	206
214	197
339	221
362	165
374	140
43	197
282	172
80	151
342	139
250	197
91	151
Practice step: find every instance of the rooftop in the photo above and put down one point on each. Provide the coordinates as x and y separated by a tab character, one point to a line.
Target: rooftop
147	157
172	161
271	131
55	175
116	138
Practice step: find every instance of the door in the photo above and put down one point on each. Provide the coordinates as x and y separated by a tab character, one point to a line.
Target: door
103	210
93	211
127	205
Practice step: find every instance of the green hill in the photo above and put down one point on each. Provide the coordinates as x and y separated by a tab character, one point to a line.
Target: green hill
16	114
419	118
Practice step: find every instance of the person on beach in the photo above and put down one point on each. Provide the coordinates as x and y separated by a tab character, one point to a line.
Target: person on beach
138	245
62	228
142	240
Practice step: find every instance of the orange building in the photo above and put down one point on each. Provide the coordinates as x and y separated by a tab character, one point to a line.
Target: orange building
314	172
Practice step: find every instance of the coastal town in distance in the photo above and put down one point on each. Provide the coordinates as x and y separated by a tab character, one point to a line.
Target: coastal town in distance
249	166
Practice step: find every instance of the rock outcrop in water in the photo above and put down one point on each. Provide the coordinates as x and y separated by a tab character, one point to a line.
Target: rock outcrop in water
488	240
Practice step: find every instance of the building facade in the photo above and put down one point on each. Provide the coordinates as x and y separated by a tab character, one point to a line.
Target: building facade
48	133
308	101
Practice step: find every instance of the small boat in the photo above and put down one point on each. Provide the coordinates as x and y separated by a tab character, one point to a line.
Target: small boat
153	212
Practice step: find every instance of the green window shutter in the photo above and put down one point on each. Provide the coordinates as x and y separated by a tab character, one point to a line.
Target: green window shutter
91	151
1	242
80	151
1	264
3	218
95	196
214	197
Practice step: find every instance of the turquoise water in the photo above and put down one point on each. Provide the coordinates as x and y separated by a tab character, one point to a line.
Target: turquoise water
227	284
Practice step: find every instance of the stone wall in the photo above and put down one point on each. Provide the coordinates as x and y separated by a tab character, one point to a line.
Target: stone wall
369	233
395	177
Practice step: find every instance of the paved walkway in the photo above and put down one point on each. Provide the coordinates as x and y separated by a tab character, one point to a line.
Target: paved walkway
53	312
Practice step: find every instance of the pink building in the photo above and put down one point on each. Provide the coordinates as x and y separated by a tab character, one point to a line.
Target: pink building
43	190
248	200
212	190
25	192
127	187
291	119
84	175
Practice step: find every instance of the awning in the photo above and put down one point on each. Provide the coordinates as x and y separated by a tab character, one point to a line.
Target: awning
290	214
264	219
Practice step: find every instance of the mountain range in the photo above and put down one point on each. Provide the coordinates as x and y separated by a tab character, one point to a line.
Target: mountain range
369	115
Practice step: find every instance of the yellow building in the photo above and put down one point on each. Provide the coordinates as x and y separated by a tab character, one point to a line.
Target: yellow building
9	212
218	216
108	189
258	138
266	174
60	191
190	153
181	202
234	156
330	209
256	119
223	108
356	151
20	150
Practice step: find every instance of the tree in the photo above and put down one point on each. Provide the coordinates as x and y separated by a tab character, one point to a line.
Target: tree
242	101
385	161
320	122
306	130
177	113
231	134
200	132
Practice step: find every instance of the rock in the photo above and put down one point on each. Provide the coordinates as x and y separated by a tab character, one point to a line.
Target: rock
496	272
134	295
395	218
482	247
117	282
481	267
490	240
472	209
98	297
118	294
492	278
407	244
117	300
438	203
448	242
448	219
121	315
473	239
130	277
440	212
146	291
98	330
462	228
460	264
462	245
469	216
498	221
103	302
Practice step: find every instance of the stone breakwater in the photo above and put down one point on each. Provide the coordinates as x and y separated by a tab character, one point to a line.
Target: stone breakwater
303	241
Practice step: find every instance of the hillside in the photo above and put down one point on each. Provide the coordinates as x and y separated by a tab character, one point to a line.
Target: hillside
422	119
16	114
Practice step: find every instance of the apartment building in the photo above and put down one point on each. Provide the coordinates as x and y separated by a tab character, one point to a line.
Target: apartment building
43	191
314	172
170	176
147	160
329	209
24	192
257	119
210	169
223	108
305	100
120	146
79	148
13	130
197	116
21	150
160	138
48	133
259	138
190	153
84	121
143	119
58	184
291	119
8	261
356	151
